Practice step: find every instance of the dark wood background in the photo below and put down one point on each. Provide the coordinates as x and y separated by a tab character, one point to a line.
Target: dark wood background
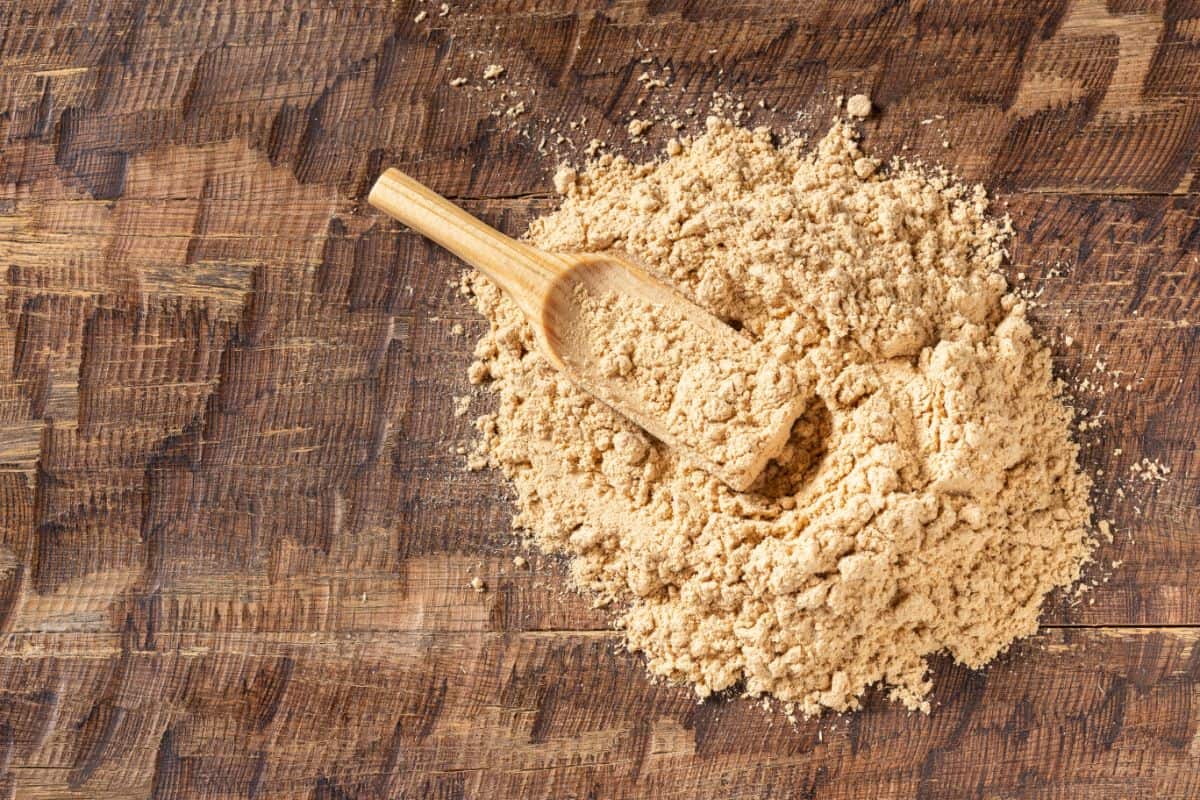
235	538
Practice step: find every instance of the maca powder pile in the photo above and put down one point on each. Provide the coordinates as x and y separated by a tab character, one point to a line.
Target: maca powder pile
928	498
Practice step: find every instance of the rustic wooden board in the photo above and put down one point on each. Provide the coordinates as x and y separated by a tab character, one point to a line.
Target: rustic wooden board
235	538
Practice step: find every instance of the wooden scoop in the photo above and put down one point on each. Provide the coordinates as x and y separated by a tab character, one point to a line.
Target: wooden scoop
556	293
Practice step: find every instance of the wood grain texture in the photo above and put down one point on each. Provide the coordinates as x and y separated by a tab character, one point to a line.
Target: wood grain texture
235	538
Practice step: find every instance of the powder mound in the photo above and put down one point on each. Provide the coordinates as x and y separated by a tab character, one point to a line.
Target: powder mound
929	496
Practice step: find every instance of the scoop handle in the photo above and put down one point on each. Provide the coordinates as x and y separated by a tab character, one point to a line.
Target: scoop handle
521	271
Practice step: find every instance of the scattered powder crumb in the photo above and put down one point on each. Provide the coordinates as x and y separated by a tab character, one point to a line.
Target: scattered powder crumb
420	17
517	110
478	459
443	9
929	496
457	329
458	81
864	167
462	405
564	179
519	562
478	585
859	106
1149	470
637	127
492	71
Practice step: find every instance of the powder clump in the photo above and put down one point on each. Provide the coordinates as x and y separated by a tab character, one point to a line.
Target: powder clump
859	106
638	127
929	496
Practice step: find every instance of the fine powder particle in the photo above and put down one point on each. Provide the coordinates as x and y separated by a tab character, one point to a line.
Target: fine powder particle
638	127
728	401
859	106
929	496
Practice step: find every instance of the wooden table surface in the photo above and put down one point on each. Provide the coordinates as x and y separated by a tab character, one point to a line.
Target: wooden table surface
235	538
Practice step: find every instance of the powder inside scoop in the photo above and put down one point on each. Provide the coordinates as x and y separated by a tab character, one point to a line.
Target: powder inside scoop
727	402
929	496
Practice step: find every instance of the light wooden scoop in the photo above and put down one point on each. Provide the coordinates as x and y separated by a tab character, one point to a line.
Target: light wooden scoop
547	289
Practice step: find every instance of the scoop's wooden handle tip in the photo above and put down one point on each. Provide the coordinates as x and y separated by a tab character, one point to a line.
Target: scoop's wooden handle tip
383	183
390	192
523	272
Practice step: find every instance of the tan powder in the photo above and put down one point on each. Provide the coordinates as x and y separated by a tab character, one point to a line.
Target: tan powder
638	127
929	496
725	399
859	105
